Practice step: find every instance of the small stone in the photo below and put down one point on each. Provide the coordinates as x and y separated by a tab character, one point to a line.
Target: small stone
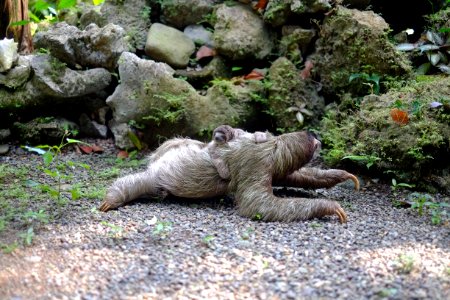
4	149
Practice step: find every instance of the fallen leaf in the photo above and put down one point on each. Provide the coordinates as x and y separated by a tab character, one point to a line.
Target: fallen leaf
306	72
261	4
254	75
97	149
122	154
399	116
205	51
85	149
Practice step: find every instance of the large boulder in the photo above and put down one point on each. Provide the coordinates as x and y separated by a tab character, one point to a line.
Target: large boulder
169	45
404	133
292	100
8	54
181	13
53	80
153	101
355	42
18	75
240	33
92	47
133	16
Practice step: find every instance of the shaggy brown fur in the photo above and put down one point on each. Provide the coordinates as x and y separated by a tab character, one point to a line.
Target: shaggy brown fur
223	136
185	168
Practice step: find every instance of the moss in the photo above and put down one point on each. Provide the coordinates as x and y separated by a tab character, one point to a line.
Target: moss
413	149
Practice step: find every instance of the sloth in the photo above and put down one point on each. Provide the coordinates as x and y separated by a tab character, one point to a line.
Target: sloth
225	134
252	164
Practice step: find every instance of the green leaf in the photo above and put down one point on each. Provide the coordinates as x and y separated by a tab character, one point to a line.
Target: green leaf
64	4
48	158
75	193
40	5
51	173
135	140
20	23
33	149
97	2
234	69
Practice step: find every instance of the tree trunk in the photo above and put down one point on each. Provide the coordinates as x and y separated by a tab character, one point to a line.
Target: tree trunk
15	11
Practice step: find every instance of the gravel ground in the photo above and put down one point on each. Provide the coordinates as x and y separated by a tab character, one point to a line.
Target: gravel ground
179	249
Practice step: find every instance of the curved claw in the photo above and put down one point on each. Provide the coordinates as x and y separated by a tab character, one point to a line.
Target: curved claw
105	206
342	215
355	181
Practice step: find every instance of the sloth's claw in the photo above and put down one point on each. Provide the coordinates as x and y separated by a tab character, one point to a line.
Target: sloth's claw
341	214
105	206
355	181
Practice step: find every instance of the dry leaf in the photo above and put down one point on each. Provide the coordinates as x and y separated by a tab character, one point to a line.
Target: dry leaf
254	75
261	5
399	116
97	149
85	149
306	72
122	154
205	51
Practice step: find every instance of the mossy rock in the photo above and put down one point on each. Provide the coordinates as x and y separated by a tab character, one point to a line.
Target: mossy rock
413	149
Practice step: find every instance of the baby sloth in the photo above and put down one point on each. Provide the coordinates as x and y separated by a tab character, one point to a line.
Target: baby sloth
241	164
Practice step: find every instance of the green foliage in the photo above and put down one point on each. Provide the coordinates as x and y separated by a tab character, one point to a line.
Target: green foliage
373	81
162	229
422	202
404	264
368	159
58	170
28	236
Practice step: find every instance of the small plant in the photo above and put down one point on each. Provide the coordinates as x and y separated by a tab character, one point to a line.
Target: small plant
404	264
162	229
369	160
373	81
208	241
396	185
28	236
9	248
115	231
420	202
59	171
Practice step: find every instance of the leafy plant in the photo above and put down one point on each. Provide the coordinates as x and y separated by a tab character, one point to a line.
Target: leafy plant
404	264
420	202
28	236
368	159
373	81
162	229
396	185
59	171
115	231
435	45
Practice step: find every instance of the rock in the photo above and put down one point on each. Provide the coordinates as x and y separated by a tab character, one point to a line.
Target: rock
92	47
169	45
53	78
295	35
310	6
42	131
8	54
121	135
350	41
92	128
181	13
4	148
199	35
93	15
4	134
18	75
167	106
239	33
290	95
133	16
417	150
216	68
